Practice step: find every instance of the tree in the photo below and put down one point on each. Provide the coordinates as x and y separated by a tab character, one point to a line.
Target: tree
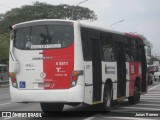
4	48
33	12
43	11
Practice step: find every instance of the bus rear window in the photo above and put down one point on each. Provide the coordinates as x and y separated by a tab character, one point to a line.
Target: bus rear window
43	37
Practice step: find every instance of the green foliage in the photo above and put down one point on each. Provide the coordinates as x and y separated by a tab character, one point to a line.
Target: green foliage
43	11
4	48
37	11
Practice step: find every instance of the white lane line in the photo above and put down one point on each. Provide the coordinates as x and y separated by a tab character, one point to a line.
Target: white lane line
155	91
150	96
147	104
4	85
8	118
153	87
158	93
149	99
5	103
89	118
158	97
130	118
141	108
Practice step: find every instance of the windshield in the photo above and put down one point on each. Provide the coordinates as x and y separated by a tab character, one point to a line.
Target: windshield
43	37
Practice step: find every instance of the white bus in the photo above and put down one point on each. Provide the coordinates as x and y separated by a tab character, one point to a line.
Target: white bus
57	62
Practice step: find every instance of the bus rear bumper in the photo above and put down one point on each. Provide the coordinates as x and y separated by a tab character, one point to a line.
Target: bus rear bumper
75	94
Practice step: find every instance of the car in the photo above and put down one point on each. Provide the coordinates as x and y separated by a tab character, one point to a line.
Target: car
157	75
151	70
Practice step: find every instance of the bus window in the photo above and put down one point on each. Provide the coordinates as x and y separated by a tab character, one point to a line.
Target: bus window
22	35
44	36
86	45
128	50
107	47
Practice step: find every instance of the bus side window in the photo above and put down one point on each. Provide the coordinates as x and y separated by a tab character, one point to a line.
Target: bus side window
128	51
107	48
86	45
134	45
139	53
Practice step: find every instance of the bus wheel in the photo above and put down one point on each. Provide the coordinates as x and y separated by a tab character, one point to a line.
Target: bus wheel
135	99
50	107
107	98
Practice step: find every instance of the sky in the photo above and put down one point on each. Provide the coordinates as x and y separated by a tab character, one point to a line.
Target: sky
140	16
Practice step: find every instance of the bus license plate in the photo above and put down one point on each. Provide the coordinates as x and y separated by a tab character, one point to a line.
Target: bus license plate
42	85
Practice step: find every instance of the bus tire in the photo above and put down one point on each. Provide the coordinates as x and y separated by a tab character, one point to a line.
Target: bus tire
107	98
136	97
51	107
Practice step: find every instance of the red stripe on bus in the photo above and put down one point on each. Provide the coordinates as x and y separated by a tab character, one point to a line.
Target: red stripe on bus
59	67
134	70
132	35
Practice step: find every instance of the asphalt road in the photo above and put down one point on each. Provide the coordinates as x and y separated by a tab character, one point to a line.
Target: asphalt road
148	105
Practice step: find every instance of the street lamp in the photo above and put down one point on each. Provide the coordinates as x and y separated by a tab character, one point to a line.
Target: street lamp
116	23
73	17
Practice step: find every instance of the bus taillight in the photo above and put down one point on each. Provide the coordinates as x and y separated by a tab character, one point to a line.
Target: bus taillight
74	78
75	75
13	79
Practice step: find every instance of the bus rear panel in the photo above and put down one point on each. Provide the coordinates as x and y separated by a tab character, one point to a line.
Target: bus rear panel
43	68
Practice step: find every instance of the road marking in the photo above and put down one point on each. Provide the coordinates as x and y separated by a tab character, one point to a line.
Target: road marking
148	104
141	108
130	118
152	92
149	99
153	87
8	118
152	96
5	103
4	88
89	118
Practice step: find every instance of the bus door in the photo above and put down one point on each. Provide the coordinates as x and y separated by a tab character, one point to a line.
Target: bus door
96	69
121	69
144	69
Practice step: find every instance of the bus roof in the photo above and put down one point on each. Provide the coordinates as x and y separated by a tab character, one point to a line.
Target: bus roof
40	21
108	30
87	25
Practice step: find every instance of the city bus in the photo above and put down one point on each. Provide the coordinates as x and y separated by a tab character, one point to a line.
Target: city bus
56	62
